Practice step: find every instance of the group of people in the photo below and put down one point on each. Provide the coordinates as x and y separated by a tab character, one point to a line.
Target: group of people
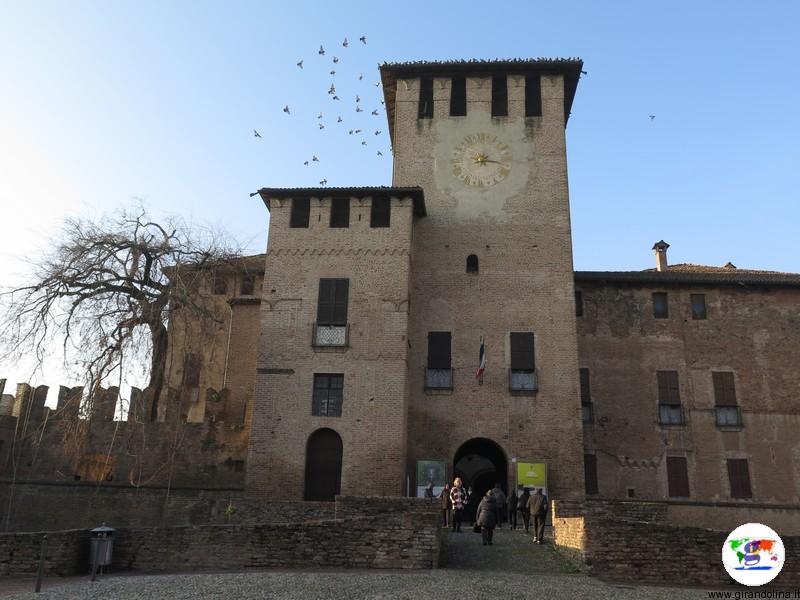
493	508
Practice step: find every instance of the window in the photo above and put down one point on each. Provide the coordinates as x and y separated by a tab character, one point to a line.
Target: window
301	209
660	307
590	473
340	212
578	303
677	477
191	371
425	98
499	96
439	374
727	410
522	376
698	306
328	392
533	96
220	283
587	409
472	263
739	477
669	398
247	286
331	326
380	213
458	97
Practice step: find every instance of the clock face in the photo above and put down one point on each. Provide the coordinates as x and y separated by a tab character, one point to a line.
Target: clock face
481	160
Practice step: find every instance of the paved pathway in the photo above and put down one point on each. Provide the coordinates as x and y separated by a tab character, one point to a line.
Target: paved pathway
512	567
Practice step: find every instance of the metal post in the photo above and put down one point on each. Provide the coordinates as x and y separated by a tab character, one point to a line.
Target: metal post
95	560
41	566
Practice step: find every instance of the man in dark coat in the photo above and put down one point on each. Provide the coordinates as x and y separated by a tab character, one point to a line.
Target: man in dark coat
446	504
512	509
486	517
499	503
538	505
522	507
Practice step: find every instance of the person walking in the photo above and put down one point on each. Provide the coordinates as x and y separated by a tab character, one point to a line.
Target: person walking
512	509
487	514
522	506
458	498
499	504
538	505
444	496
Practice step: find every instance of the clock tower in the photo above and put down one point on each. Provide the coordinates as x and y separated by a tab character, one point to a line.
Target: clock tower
491	264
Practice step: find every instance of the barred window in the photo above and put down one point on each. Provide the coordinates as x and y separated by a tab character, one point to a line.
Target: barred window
328	393
677	477
332	301
739	476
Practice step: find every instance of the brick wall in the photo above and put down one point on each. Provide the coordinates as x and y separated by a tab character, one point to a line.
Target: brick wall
65	553
349	506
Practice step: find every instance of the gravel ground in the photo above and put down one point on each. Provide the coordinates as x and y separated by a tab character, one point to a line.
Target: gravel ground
511	568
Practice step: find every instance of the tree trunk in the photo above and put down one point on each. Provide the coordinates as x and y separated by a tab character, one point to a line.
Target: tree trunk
158	364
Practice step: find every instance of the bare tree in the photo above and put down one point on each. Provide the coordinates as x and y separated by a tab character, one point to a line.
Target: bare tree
105	290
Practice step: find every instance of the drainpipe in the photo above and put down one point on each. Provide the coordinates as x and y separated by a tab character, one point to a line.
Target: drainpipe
228	345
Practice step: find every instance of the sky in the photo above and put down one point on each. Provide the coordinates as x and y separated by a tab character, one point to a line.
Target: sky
106	104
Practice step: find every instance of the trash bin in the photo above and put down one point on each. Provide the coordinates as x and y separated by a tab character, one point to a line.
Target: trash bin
101	546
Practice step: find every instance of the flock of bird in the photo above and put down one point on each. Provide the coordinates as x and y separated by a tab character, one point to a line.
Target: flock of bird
335	113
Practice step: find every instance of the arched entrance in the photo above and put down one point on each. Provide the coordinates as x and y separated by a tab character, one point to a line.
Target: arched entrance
323	465
480	463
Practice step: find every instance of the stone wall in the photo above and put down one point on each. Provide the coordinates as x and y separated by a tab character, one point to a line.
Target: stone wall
65	553
50	507
349	506
618	545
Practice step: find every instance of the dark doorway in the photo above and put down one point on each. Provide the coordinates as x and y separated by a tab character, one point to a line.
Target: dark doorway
480	463
323	465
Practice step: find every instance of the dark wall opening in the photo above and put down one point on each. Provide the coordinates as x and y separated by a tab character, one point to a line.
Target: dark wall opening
323	465
480	463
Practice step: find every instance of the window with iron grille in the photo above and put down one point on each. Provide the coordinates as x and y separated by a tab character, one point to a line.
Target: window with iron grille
458	97
590	473
425	98
739	477
247	286
533	96
677	477
587	409
578	303
670	411
328	394
439	373
698	306
472	263
340	212
380	213
660	306
300	212
522	375
499	96
725	404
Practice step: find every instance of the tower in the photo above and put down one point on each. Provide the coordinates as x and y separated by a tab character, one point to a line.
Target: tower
492	260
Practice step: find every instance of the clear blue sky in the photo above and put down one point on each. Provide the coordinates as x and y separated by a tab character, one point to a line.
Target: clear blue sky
104	102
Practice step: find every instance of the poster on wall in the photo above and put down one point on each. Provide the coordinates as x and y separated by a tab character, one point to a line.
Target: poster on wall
532	476
431	471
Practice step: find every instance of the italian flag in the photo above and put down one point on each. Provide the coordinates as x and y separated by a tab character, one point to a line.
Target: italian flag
481	363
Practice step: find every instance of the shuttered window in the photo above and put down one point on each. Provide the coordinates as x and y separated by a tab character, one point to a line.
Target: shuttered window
380	213
328	395
660	305
677	477
724	388
590	473
578	303
668	390
499	96
301	209
533	96
340	212
522	351
698	306
458	97
220	283
739	476
248	285
332	302
439	350
425	98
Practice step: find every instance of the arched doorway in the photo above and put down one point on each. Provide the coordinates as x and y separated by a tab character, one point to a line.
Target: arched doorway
323	465
480	463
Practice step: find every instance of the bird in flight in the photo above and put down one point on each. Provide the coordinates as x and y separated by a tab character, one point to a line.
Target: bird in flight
377	132
256	134
324	182
652	118
360	76
333	72
383	102
300	64
321	126
321	50
358	98
332	90
363	39
358	131
584	72
339	119
345	43
305	163
377	84
336	97
286	109
358	108
335	60
314	158
363	142
319	116
350	132
380	153
375	113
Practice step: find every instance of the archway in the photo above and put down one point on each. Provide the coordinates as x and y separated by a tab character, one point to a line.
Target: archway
480	463
323	465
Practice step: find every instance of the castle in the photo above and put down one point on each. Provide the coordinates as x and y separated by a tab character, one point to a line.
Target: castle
350	354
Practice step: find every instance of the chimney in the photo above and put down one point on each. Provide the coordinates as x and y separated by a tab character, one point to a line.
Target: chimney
661	255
